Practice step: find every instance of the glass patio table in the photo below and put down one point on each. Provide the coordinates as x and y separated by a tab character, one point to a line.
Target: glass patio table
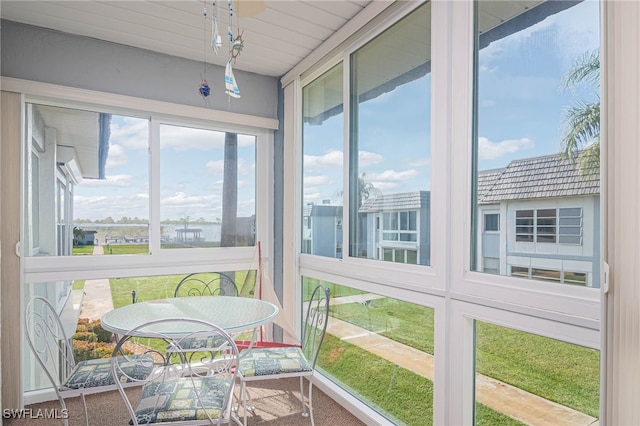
233	314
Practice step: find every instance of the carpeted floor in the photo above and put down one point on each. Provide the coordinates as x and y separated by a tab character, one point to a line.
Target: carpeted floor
277	403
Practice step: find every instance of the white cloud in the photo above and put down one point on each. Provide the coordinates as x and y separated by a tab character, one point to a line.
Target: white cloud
185	138
488	150
117	157
100	207
316	180
133	133
330	160
216	167
366	158
333	159
393	176
420	162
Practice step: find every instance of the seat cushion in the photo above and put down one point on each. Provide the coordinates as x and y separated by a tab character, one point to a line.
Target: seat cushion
268	361
181	399
198	343
97	372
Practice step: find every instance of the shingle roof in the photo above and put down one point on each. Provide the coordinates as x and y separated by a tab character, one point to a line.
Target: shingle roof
399	201
536	177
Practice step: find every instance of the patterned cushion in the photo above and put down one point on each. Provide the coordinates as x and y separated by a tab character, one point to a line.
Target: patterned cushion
267	361
181	399
198	343
97	372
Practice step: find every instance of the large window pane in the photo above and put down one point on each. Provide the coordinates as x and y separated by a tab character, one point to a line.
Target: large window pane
537	140
207	181
381	350
523	378
88	186
390	144
322	169
77	310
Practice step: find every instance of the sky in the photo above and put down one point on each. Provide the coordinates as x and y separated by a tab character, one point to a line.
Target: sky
521	107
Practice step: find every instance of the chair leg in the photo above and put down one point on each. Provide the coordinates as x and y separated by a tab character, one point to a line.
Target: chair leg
244	395
304	405
64	408
84	407
311	401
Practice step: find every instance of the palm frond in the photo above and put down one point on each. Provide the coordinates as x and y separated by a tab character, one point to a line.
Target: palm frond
586	69
590	160
582	127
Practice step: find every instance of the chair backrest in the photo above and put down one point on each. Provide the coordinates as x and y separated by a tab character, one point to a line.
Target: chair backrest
206	284
48	341
315	324
176	365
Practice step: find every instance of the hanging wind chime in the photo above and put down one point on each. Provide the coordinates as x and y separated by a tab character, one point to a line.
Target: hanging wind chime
204	89
236	45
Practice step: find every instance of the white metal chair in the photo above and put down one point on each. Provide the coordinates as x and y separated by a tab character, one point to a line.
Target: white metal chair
290	361
53	350
187	386
206	284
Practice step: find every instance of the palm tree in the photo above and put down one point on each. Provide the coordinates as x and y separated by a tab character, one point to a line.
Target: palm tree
78	234
581	138
230	191
365	189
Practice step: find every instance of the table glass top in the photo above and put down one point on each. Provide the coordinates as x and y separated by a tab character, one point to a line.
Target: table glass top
233	314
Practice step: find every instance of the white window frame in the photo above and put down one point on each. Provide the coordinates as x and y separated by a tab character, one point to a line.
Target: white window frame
568	313
158	262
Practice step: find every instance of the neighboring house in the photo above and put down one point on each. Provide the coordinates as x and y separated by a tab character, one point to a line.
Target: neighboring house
88	239
395	226
322	230
538	218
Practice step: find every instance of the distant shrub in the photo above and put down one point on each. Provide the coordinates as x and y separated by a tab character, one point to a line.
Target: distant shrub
91	341
103	335
85	335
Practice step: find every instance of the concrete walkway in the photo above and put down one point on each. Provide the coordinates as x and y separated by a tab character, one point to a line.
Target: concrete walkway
97	295
516	403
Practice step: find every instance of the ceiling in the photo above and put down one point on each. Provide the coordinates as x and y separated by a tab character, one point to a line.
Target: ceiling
277	34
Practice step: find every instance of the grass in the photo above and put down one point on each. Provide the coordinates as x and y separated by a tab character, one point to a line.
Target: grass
555	370
398	393
82	250
125	249
552	369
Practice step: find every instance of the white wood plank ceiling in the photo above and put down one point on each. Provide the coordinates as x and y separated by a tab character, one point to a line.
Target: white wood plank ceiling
277	33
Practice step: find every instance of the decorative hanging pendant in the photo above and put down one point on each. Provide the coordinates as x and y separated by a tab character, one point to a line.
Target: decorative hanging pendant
216	40
230	81
237	45
204	89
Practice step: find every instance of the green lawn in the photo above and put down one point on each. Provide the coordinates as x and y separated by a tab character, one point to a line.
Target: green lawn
396	392
555	370
125	249
82	250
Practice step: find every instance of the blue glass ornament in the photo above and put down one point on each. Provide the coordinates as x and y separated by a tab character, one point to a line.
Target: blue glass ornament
204	89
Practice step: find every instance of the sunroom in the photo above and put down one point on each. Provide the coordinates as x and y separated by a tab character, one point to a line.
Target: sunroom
441	166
